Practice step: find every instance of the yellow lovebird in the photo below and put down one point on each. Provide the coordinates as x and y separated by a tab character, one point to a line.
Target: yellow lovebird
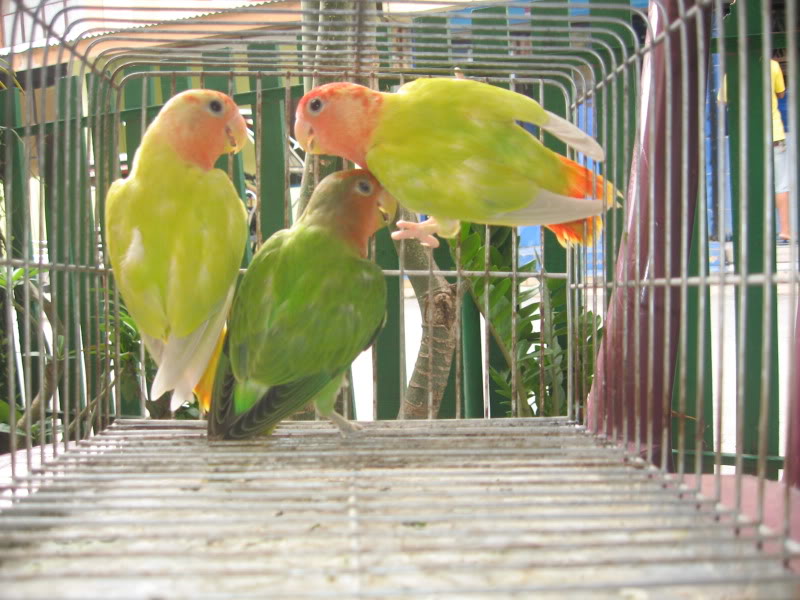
454	149
176	231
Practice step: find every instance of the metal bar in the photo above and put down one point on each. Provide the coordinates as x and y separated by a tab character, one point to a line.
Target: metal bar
552	507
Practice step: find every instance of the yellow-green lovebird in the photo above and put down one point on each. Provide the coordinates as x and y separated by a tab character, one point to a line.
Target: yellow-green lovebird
176	232
308	304
454	149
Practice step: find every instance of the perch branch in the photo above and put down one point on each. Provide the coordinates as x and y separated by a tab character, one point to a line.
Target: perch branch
438	306
55	366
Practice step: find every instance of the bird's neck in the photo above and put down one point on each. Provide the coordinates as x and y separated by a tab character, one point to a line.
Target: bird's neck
358	128
353	230
160	145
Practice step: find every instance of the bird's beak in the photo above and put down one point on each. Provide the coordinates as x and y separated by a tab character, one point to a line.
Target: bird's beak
236	132
304	134
387	205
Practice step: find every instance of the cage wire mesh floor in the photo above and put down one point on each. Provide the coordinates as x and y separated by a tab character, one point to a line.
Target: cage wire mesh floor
435	509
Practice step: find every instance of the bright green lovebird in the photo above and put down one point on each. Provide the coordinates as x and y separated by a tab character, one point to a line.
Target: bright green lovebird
453	149
176	232
308	304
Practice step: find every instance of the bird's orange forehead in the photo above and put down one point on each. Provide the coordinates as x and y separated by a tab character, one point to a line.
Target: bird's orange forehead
196	97
361	174
351	91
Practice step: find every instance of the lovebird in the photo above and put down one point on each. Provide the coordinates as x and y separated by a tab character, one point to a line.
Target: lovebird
176	231
308	304
453	149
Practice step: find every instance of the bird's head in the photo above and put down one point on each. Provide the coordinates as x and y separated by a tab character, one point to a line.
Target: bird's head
354	204
338	119
201	125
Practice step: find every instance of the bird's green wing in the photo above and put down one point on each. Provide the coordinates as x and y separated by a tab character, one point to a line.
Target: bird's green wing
270	406
462	169
305	309
448	185
466	95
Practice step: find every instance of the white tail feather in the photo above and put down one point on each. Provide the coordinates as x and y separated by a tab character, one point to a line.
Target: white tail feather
154	346
573	136
548	208
184	359
180	395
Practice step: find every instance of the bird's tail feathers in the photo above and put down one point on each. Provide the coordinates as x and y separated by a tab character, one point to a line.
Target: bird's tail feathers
185	359
250	408
583	231
221	406
205	387
154	346
181	394
246	394
573	136
583	183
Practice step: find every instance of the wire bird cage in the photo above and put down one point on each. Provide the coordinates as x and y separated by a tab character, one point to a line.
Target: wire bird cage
617	420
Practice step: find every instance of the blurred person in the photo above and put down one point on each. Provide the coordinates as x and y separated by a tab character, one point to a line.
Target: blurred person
779	153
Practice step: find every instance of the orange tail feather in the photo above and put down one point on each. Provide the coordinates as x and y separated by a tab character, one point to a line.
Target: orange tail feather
582	183
582	231
205	387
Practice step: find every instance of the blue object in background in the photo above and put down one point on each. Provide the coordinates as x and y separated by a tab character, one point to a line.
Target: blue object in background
580	12
530	240
518	11
783	108
722	174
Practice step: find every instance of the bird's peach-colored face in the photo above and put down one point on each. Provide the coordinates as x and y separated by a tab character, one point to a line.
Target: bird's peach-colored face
202	125
337	119
366	195
354	203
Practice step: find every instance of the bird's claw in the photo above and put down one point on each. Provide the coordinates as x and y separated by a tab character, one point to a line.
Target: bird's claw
346	428
407	230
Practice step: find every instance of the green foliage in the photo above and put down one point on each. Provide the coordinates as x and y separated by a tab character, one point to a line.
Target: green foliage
9	278
5	411
540	324
130	365
17	276
6	415
13	279
36	427
131	368
7	74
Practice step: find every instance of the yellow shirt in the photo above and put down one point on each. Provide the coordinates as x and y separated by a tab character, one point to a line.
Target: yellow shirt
778	87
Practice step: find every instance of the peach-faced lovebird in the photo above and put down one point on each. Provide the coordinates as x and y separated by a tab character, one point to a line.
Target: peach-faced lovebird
176	232
308	304
452	149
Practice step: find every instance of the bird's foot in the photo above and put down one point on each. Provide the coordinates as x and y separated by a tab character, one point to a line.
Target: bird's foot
346	428
408	230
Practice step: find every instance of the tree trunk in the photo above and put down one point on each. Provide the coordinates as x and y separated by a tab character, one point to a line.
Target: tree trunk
438	306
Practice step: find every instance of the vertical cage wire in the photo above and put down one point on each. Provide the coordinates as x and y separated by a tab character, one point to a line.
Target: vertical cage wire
657	339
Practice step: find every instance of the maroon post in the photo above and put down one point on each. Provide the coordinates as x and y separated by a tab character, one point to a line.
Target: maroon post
669	81
792	468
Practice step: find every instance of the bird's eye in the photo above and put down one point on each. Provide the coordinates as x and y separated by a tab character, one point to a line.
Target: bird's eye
364	187
315	106
215	106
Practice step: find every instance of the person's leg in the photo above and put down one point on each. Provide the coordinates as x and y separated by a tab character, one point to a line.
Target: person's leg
782	191
782	203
